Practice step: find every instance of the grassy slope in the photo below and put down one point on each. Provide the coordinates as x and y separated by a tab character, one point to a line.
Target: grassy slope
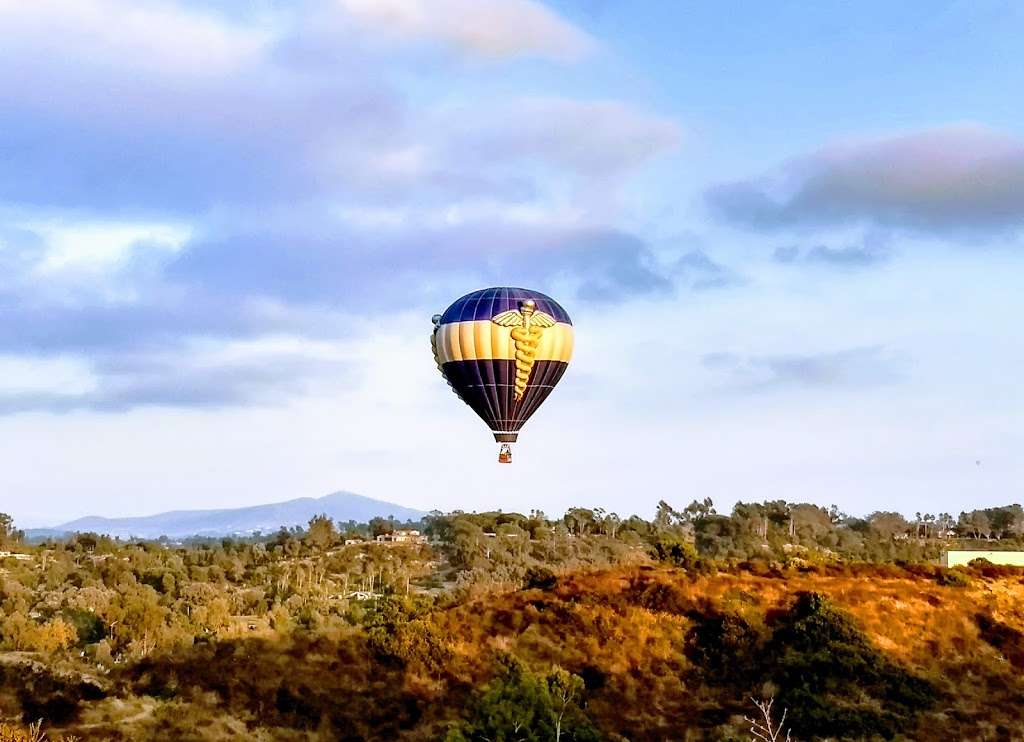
626	626
621	629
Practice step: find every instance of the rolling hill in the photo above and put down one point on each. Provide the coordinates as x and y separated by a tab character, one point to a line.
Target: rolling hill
341	506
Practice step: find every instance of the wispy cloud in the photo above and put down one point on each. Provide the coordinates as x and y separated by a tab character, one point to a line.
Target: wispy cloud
699	272
865	255
960	178
194	374
851	368
590	138
488	28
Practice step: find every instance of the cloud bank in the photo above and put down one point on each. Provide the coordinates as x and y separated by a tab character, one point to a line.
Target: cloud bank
954	179
289	173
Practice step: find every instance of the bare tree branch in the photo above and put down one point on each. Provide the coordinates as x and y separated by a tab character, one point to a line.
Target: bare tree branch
765	729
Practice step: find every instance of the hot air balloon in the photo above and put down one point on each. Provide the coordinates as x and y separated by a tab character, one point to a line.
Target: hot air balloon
502	351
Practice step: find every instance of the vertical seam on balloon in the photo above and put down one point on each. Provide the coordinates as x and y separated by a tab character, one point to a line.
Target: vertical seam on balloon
502	420
536	389
513	298
515	407
494	388
499	418
543	388
477	367
552	374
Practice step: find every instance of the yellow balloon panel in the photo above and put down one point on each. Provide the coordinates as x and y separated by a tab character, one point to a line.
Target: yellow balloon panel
481	340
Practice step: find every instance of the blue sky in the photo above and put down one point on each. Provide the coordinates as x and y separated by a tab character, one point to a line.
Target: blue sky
789	236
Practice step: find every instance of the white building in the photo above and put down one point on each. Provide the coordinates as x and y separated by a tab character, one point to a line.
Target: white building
963	558
403	537
15	555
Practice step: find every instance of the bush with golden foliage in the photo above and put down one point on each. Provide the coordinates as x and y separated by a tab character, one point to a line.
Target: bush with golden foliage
13	733
31	733
22	633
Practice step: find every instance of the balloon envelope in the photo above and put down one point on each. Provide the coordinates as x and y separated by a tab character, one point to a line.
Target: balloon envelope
503	349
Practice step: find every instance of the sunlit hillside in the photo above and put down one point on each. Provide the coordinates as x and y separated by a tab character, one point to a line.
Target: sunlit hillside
650	653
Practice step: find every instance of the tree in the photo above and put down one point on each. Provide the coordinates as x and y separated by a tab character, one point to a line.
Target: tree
612	522
438	526
765	728
400	630
1016	520
944	523
666	516
54	636
809	524
565	690
836	515
380	526
322	533
139	618
8	534
521	705
698	510
888	524
579	520
975	523
981	523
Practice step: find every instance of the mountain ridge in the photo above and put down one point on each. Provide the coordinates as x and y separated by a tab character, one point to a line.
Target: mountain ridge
342	506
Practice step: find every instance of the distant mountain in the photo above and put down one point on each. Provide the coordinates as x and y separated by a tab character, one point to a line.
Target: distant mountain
341	506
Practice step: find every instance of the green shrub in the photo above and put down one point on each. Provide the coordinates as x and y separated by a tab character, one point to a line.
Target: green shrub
540	578
400	631
676	551
834	682
952	578
831	679
725	647
523	706
89	626
1003	637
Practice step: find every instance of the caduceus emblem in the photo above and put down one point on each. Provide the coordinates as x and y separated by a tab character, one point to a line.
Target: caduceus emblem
528	326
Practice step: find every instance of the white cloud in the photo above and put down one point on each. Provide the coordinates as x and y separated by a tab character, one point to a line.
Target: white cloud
489	28
201	372
21	375
72	245
463	212
592	138
210	352
151	35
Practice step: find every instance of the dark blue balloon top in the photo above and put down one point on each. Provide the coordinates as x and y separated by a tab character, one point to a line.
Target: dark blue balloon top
486	303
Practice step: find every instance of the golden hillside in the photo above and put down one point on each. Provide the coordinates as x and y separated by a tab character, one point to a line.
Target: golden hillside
663	654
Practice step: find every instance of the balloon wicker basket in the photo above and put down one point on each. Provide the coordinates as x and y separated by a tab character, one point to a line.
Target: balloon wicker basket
505	454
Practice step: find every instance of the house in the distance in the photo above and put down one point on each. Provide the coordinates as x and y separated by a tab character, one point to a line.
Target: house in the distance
960	558
238	626
402	537
15	555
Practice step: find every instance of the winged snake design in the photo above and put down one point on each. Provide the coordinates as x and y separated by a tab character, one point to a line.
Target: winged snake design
528	326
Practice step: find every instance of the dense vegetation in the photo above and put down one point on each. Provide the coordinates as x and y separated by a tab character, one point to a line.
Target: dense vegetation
505	627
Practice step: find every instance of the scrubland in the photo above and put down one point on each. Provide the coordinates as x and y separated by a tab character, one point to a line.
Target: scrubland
509	627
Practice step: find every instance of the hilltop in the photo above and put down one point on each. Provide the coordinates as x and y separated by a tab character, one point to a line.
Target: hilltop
342	507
